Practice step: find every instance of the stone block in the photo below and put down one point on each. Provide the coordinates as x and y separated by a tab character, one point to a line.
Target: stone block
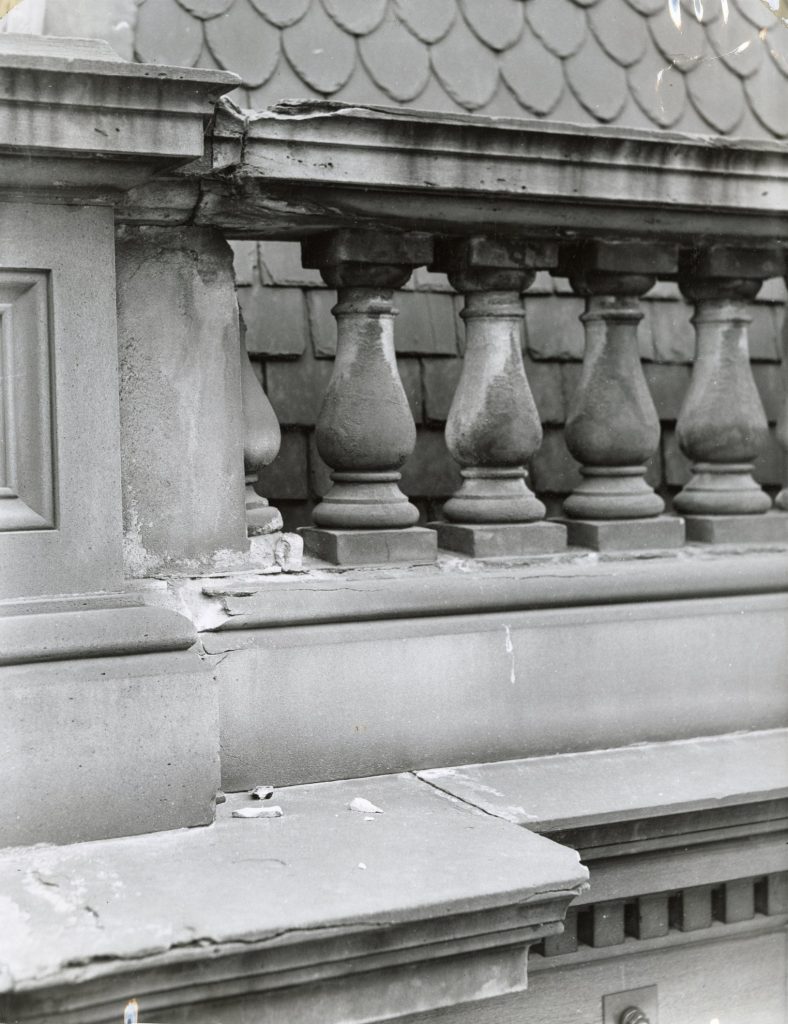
769	528
415	545
287	476
552	468
296	389
501	540
275	318
280	264
110	746
180	401
441	377
625	534
430	471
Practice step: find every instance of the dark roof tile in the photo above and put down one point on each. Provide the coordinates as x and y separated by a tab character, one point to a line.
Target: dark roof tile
205	8
282	12
498	23
356	16
430	21
560	24
597	81
167	34
243	41
658	88
321	53
716	94
737	43
466	68
537	93
396	60
620	32
766	91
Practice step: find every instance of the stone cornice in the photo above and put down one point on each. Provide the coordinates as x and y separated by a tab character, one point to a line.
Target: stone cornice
332	917
78	123
303	167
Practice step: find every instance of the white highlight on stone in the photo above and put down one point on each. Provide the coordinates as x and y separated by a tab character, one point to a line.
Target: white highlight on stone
259	812
262	793
363	806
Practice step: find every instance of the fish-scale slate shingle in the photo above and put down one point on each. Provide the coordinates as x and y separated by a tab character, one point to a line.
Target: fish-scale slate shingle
356	16
498	23
592	61
396	60
560	24
318	49
538	94
206	8
620	32
240	37
428	22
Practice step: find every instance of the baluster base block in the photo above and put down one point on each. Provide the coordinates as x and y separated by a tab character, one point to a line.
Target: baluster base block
625	534
764	528
261	518
414	545
501	540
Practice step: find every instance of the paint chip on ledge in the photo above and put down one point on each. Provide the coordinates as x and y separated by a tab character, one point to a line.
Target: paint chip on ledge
259	812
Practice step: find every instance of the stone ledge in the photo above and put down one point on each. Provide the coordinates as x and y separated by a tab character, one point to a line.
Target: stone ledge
94	632
458	586
321	915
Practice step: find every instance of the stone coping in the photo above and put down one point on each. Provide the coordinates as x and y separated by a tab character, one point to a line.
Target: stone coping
254	905
648	780
458	586
79	123
307	166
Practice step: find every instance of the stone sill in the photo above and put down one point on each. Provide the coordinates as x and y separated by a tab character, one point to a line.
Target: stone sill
324	913
459	586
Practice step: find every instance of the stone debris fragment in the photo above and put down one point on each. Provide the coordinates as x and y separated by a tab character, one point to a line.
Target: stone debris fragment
262	792
220	796
259	812
363	806
362	866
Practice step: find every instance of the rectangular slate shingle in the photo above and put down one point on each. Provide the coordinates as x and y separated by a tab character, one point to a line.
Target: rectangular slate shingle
275	321
668	385
430	472
552	468
280	264
426	324
286	477
552	327
296	388
245	263
441	377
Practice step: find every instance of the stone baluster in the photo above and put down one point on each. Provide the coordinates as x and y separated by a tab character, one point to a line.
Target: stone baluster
493	426
613	428
262	438
722	426
365	429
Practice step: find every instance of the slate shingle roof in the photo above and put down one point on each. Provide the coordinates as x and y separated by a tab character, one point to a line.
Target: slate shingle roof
588	61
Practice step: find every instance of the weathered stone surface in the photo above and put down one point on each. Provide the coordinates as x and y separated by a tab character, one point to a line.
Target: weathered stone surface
769	528
502	539
626	534
471	696
151	718
415	545
320	914
180	400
